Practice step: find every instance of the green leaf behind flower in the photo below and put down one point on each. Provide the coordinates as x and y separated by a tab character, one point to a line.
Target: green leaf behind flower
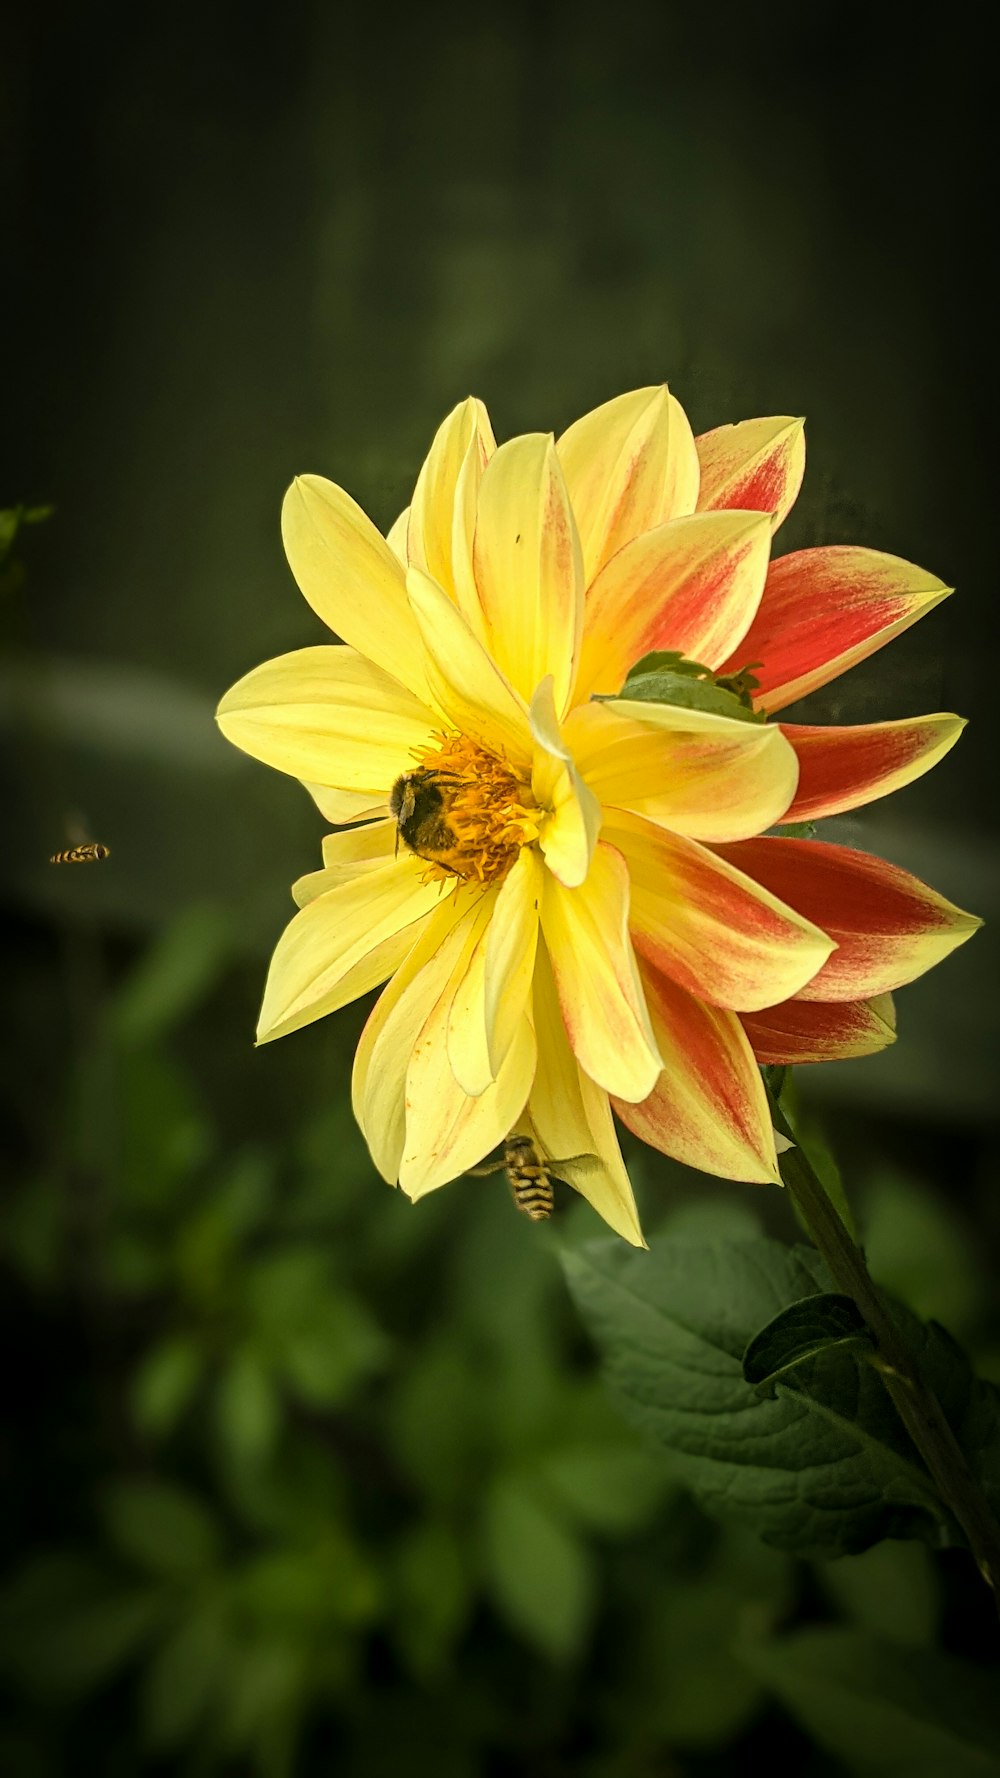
823	1468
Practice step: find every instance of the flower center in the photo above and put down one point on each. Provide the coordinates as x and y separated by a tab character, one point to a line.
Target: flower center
463	809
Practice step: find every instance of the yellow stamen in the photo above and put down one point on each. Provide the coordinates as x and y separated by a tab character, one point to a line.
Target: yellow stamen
487	812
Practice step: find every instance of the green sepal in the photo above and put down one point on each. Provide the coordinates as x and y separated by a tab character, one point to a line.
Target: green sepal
667	677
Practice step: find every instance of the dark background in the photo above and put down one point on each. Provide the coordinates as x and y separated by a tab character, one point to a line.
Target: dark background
237	246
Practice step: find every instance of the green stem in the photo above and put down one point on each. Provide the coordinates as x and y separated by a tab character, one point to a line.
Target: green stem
915	1402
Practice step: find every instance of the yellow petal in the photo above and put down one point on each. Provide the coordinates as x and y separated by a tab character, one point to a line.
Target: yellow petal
528	566
396	536
447	1131
573	821
510	952
693	585
329	717
603	1007
350	576
710	777
442	516
378	1081
466	684
572	1116
466	1034
321	956
340	806
629	465
346	857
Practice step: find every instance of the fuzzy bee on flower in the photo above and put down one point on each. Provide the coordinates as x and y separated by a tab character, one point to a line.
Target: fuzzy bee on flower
553	849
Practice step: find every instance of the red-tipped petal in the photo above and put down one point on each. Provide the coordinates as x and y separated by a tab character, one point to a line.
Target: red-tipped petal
889	926
822	611
711	928
708	1108
693	585
820	1030
757	465
841	768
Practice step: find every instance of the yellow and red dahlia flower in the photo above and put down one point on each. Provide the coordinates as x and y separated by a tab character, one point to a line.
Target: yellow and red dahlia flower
569	888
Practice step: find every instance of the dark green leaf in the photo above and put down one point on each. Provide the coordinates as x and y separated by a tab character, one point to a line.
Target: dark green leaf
823	1468
800	1332
901	1713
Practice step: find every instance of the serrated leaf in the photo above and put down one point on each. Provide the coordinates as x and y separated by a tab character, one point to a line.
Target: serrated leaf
823	1468
813	1325
689	694
901	1713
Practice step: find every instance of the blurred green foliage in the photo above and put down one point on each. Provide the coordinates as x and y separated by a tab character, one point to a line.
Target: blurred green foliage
317	1461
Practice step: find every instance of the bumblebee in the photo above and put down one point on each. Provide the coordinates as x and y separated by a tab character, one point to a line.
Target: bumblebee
91	853
419	801
531	1177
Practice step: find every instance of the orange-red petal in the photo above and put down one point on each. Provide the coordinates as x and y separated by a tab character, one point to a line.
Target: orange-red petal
707	925
693	585
889	926
708	1108
820	1030
842	768
822	611
756	465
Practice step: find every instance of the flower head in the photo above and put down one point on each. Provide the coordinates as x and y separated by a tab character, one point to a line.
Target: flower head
563	881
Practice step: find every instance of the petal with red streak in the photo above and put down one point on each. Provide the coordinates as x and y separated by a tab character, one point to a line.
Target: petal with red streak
708	1108
820	1030
842	768
693	585
822	611
629	465
707	925
756	465
889	926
